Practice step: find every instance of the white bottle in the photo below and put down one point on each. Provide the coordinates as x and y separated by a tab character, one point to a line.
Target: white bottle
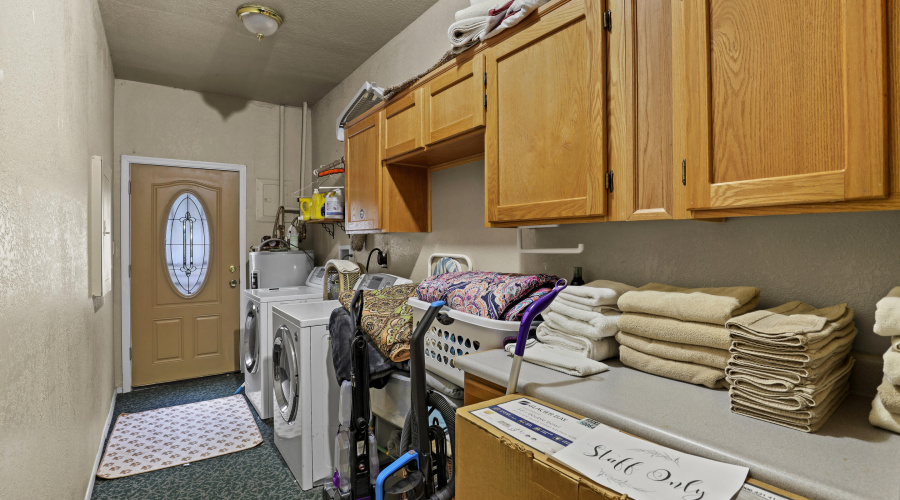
334	205
293	238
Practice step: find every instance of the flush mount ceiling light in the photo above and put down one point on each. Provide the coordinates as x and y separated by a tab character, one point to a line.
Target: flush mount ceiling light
259	20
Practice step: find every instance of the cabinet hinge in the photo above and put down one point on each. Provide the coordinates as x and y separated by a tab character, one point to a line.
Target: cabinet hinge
607	21
485	77
609	181
485	100
684	172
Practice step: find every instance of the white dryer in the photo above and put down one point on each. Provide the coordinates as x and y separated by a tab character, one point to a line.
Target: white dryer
256	339
306	391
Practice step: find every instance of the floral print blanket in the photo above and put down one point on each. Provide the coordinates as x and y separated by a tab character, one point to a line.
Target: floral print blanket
386	318
487	294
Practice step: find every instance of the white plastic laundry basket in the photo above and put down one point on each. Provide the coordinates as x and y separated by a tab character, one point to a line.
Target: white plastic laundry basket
468	334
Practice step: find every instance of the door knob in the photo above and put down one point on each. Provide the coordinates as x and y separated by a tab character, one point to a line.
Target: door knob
232	268
233	283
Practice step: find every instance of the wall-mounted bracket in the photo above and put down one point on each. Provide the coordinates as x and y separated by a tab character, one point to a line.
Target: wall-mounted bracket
519	229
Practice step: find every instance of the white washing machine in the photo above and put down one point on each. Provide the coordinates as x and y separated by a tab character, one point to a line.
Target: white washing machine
256	339
306	390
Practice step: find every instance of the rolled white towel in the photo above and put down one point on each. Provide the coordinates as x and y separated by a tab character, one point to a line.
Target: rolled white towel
601	327
598	350
596	293
479	8
468	31
559	359
518	10
887	314
581	314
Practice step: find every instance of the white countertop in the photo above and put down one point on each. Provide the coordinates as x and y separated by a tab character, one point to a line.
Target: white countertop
847	459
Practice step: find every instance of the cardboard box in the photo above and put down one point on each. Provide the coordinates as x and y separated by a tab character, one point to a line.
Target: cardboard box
492	465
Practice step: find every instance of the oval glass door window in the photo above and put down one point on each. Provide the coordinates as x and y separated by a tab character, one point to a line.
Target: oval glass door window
187	244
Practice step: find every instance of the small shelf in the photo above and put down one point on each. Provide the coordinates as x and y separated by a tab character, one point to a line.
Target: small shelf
328	225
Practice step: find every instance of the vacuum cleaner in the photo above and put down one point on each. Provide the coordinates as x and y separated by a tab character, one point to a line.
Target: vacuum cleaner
425	460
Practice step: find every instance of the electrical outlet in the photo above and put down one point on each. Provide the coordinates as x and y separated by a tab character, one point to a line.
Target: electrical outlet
382	259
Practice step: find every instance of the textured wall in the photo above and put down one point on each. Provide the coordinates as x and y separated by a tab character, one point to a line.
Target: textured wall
164	122
56	110
821	259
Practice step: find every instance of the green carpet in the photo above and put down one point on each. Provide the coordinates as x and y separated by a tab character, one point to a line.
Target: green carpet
255	473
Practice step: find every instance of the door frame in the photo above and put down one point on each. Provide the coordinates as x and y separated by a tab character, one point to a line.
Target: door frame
125	231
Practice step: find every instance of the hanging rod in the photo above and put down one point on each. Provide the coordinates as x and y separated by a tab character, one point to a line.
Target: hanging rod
336	165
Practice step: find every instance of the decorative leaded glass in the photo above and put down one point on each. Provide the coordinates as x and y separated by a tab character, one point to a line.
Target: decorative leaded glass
187	245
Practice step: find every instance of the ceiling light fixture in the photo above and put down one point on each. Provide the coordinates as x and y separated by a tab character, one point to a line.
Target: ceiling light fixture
259	20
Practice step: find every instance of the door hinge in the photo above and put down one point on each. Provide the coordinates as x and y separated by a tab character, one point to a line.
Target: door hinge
684	172
485	77
129	187
129	353
607	21
609	181
485	100
129	270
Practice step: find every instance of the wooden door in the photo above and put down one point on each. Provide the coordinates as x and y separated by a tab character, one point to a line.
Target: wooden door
364	172
644	166
786	101
184	273
454	100
545	138
403	121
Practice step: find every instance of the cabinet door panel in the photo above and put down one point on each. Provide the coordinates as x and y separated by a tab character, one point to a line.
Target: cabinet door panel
403	122
454	101
363	179
786	101
642	131
545	143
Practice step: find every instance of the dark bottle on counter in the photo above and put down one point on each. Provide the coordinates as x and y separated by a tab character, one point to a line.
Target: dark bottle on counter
577	280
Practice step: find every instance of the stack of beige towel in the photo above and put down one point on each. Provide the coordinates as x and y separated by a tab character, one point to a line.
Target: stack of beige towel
680	333
790	365
886	406
579	329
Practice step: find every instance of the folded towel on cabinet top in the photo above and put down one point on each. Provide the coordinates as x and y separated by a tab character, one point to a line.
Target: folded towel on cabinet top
559	359
596	293
881	417
713	378
706	356
598	350
890	395
605	325
677	331
794	324
892	366
705	305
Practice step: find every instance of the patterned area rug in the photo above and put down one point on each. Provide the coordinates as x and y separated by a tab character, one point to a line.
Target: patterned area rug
166	437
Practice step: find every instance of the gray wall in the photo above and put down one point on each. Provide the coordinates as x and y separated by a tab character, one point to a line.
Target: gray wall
56	111
164	122
821	259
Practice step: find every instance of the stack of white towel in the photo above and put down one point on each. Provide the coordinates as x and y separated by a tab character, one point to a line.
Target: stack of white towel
579	329
886	406
486	18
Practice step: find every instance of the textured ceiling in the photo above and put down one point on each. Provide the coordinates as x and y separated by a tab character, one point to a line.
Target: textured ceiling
202	45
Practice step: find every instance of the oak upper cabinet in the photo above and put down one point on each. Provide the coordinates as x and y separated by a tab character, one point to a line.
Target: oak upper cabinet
403	124
454	100
645	138
785	102
363	180
545	144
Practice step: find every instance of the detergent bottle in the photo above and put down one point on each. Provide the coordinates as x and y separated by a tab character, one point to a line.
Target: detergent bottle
318	206
334	205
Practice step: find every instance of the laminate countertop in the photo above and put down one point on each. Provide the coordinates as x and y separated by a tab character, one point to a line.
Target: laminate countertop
847	458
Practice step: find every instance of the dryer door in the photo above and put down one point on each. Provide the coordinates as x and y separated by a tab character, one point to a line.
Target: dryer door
287	374
251	338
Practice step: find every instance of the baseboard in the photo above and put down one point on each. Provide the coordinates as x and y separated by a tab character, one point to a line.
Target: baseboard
112	408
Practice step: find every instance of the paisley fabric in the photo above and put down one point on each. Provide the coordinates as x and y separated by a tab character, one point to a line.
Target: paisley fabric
487	294
386	318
